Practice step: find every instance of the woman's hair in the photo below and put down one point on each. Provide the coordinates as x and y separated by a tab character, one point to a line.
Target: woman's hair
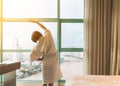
35	36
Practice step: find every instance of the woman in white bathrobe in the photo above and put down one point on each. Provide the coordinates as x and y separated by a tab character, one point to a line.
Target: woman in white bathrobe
45	51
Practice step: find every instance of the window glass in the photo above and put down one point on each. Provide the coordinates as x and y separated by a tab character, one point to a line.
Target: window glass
72	35
29	8
18	35
75	62
71	8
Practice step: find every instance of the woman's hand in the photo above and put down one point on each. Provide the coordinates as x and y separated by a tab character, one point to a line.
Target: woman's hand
39	59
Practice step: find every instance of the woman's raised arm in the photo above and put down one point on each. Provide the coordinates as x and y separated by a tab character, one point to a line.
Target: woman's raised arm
41	25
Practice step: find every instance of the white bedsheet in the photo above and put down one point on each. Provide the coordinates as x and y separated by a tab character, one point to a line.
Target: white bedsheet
93	80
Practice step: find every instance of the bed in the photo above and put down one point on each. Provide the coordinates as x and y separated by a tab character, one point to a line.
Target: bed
93	80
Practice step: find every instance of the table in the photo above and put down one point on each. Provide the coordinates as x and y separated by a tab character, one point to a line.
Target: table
8	74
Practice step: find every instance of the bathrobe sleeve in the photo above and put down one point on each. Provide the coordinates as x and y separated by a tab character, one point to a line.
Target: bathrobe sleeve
37	51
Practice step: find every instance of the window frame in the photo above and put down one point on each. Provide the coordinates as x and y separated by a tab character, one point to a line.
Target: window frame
58	20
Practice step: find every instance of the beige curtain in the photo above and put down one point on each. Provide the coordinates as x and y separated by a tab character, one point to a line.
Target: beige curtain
115	39
97	36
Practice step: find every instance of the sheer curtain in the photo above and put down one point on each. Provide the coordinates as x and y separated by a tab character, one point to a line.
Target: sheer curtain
115	39
98	36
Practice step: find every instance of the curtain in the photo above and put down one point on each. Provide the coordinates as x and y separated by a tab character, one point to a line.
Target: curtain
115	39
97	24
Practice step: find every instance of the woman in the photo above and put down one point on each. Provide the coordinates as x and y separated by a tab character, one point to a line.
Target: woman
45	51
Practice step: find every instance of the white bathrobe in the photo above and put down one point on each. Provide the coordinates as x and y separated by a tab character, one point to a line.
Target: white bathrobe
45	48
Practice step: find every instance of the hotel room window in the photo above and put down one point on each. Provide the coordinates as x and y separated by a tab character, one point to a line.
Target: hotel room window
65	20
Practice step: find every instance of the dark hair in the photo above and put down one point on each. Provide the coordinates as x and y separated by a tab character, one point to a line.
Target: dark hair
35	36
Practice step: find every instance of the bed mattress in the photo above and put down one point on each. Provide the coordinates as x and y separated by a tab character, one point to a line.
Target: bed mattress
93	80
